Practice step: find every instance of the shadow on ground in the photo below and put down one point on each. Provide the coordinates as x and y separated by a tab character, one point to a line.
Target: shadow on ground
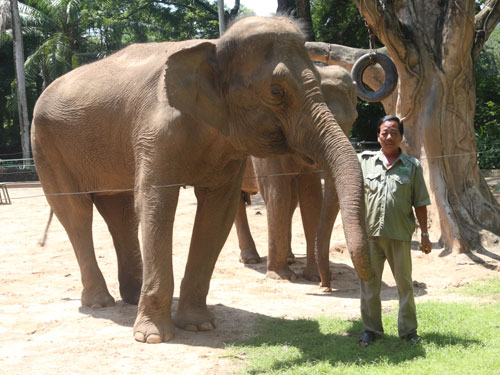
313	345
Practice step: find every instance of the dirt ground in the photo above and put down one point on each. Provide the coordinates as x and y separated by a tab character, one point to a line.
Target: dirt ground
45	330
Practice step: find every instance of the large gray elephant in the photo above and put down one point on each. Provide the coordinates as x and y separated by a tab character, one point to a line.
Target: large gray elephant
286	181
126	132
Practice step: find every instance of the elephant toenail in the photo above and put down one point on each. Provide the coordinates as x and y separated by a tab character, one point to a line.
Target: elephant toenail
139	336
153	339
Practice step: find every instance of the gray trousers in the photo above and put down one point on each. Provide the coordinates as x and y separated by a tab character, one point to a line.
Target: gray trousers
398	256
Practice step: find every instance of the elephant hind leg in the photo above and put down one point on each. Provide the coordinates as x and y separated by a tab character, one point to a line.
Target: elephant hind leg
311	198
277	193
248	251
75	214
119	213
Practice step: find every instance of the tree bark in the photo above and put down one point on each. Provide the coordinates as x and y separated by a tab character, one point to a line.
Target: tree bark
22	103
433	46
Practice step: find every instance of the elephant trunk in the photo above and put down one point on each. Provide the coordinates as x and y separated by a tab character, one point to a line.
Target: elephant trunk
344	188
330	148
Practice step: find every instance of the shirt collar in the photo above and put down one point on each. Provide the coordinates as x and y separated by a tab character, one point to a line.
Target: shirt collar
402	157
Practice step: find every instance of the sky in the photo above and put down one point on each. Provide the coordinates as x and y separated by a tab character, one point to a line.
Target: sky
260	7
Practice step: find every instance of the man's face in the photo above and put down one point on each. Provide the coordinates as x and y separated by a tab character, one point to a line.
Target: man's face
389	137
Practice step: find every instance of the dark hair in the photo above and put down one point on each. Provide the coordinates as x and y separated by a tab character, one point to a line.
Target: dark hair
390	118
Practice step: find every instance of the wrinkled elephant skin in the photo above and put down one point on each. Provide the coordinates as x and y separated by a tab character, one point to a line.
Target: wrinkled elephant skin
127	131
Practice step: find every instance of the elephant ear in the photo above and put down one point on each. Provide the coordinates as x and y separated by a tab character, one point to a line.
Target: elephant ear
193	85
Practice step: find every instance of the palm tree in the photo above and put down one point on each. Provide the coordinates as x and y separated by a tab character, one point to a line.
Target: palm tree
12	9
57	26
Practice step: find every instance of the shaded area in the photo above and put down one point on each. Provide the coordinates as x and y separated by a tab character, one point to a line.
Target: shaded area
341	348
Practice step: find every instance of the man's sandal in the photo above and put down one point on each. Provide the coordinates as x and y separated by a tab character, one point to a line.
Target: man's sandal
367	338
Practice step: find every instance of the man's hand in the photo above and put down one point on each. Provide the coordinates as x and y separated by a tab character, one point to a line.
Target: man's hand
425	244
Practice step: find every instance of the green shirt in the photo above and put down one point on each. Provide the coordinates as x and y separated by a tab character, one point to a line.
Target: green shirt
390	193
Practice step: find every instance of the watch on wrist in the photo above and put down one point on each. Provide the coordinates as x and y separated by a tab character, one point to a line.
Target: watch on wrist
425	234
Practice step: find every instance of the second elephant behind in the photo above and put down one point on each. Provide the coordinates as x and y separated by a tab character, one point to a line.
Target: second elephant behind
286	181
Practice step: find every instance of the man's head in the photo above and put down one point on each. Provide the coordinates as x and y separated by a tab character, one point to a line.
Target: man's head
390	133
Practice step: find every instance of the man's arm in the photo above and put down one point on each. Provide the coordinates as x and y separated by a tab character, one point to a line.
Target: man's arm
421	213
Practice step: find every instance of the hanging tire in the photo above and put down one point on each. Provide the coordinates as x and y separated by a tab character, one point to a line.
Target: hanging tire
391	76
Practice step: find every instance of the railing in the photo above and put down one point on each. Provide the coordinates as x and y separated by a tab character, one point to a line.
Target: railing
17	170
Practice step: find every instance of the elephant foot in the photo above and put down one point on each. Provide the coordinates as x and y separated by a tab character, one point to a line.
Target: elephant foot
130	289
281	274
153	330
97	300
290	257
195	319
249	256
311	274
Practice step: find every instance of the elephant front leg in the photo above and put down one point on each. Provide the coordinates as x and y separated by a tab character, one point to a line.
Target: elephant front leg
157	211
214	217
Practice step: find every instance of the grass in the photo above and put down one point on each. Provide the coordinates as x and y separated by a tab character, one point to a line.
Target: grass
459	338
484	288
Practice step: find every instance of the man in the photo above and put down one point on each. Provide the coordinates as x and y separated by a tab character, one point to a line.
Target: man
394	184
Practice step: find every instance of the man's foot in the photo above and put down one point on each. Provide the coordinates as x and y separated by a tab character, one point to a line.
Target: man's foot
367	338
414	338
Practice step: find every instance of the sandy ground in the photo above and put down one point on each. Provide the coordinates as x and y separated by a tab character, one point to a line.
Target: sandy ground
45	330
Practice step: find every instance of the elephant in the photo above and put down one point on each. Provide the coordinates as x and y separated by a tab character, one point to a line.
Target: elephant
285	181
127	132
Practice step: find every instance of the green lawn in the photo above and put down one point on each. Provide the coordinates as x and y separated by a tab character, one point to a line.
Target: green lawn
459	338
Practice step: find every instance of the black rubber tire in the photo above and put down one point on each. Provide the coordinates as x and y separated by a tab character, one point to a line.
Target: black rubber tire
391	76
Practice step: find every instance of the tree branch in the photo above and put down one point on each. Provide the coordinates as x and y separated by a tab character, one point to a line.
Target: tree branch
485	22
382	17
336	54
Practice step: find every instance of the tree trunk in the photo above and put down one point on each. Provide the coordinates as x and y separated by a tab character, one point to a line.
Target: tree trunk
433	45
22	103
285	6
304	13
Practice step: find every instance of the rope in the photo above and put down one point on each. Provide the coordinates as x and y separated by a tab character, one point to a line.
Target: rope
184	185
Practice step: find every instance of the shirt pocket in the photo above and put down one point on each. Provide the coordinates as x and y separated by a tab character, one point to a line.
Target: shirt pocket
372	182
400	187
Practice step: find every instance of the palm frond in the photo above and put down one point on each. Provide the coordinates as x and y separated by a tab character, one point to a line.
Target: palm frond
5	16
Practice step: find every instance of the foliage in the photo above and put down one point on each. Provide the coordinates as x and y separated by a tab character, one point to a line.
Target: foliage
63	34
463	336
487	119
339	22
